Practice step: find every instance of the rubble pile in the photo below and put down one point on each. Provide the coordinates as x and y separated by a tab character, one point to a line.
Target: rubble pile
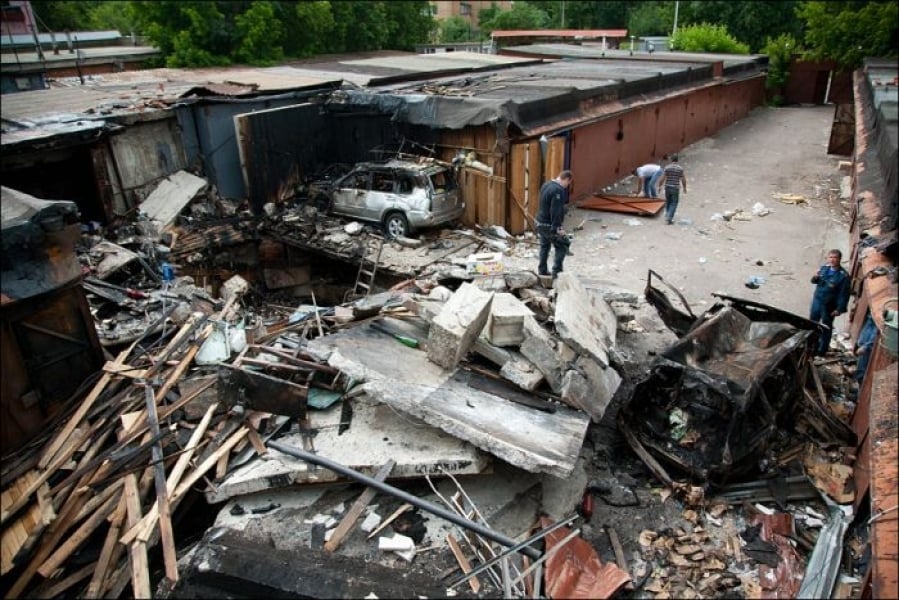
431	438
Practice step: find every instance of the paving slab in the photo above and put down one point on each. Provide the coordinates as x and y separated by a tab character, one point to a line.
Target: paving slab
584	321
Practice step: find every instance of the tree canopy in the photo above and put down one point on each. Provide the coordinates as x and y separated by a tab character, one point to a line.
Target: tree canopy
207	32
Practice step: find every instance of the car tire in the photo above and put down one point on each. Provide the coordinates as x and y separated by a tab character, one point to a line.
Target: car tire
396	225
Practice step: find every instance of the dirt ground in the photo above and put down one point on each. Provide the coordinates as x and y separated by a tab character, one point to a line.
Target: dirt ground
773	150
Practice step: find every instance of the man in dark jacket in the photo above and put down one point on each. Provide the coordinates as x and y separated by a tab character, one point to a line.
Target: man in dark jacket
831	297
550	215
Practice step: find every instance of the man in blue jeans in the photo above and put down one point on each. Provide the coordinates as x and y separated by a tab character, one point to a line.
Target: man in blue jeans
674	178
550	215
831	297
648	177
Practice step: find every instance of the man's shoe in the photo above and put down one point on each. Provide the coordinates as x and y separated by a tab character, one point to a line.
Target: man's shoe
543	273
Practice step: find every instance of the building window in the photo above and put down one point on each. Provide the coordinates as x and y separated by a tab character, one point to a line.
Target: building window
464	9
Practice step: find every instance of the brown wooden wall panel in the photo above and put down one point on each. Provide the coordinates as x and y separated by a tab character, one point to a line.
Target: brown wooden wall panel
535	178
515	186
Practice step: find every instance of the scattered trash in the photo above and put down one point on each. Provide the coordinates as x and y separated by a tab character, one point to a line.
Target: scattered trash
613	235
759	209
755	281
632	222
790	198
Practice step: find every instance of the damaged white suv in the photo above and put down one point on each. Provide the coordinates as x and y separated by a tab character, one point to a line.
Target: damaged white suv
400	195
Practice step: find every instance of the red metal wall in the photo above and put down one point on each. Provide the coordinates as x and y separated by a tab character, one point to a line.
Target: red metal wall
606	151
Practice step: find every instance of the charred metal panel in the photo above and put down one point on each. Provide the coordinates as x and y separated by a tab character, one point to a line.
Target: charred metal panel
842	132
258	391
281	148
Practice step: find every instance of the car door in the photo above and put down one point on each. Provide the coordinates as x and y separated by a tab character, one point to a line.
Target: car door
382	196
350	196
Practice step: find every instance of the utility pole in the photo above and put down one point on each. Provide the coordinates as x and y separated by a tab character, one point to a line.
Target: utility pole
676	6
563	15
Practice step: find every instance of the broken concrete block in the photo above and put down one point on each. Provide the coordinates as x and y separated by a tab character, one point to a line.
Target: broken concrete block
522	373
590	387
370	522
543	355
584	321
520	279
505	324
353	228
397	543
458	325
494	354
235	286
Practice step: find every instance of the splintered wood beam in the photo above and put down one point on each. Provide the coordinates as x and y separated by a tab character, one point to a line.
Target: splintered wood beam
143	529
349	519
137	552
108	554
463	561
169	554
389	520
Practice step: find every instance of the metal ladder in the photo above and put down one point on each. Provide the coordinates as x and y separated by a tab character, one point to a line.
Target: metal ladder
365	277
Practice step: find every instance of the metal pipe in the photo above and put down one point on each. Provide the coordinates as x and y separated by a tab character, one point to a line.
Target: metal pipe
413	500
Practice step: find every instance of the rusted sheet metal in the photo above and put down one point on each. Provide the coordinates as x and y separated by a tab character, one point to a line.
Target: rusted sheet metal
713	401
258	391
575	571
48	347
884	482
782	581
622	204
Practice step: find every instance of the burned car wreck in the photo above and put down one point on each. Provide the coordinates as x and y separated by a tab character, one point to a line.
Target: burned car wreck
718	402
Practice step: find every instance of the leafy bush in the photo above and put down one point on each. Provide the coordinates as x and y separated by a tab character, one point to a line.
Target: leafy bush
454	29
780	51
707	38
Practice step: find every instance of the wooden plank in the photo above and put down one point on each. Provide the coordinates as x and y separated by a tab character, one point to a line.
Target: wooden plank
389	520
52	591
256	442
137	553
61	438
107	552
148	522
464	564
169	555
619	553
22	532
349	519
74	541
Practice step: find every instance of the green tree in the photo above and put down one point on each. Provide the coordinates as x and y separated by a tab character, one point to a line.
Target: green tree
311	29
520	16
706	38
750	22
651	18
409	23
113	14
259	35
454	29
586	14
780	51
849	31
61	15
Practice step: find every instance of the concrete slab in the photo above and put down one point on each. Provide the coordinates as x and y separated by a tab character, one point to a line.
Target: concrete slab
590	387
535	441
458	325
522	373
173	193
584	321
542	354
405	379
377	433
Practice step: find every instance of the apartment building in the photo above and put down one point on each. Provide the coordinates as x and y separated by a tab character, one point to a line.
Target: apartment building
468	9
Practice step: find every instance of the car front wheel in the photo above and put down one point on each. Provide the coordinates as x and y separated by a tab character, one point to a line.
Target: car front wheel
396	225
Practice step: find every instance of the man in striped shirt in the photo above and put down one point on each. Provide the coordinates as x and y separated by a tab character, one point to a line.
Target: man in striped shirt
674	178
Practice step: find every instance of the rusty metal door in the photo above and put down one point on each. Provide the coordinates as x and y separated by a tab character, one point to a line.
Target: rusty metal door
842	133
